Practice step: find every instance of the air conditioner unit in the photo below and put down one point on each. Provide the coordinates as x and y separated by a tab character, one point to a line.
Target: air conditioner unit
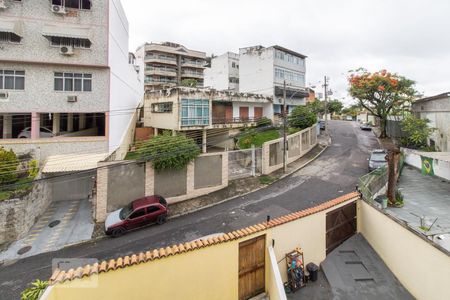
3	4
72	98
66	50
58	9
4	95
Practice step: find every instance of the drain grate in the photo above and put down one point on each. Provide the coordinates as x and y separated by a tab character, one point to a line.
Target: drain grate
54	223
24	250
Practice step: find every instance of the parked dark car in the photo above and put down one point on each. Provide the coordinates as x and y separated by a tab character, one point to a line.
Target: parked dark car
365	126
322	124
139	213
377	159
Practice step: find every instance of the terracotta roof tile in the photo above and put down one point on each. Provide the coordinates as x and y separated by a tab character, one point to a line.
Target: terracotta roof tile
104	266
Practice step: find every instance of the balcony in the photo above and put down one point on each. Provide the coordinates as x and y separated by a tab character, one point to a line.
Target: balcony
191	74
160	71
161	81
193	63
160	59
234	121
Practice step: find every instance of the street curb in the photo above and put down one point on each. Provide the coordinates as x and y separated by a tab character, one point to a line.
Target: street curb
260	188
96	239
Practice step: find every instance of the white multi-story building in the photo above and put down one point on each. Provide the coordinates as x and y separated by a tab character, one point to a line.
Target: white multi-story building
223	74
67	80
264	70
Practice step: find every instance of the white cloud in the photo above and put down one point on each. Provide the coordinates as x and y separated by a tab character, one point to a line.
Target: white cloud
409	37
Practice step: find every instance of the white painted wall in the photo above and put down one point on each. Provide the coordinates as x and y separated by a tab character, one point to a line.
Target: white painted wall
251	109
217	76
441	168
256	73
126	90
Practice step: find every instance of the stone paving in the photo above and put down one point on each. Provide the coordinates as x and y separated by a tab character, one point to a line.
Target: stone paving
75	225
427	200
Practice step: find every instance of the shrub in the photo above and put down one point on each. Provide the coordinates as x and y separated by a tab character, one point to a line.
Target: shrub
33	169
35	291
8	166
416	132
169	152
263	122
302	117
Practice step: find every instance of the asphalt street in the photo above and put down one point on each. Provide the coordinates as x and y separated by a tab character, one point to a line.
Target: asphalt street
334	173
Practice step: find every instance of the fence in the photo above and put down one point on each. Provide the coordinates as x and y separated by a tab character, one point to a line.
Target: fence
370	184
298	144
244	163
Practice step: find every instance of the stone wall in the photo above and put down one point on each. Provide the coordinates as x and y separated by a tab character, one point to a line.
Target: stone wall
18	215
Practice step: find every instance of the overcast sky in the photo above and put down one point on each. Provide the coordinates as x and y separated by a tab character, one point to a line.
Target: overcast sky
409	37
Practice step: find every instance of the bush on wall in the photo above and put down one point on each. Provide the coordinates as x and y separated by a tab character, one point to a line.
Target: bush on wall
8	166
168	152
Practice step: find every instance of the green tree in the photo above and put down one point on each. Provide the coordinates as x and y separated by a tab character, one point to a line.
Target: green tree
302	117
189	82
35	291
335	107
316	107
168	152
381	93
8	166
416	132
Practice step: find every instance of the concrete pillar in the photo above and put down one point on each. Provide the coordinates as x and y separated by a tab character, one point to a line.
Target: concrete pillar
204	141
70	122
155	132
7	126
82	121
149	188
56	123
35	124
101	201
174	133
190	177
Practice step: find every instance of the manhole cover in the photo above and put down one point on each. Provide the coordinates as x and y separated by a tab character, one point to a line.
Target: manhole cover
54	223
24	250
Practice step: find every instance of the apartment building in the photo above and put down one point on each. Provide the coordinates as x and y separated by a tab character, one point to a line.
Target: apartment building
169	64
67	81
264	70
206	115
223	74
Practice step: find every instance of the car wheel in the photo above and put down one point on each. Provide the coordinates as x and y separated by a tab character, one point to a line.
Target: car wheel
161	219
118	232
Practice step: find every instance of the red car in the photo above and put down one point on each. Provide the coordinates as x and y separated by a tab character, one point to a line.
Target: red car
140	212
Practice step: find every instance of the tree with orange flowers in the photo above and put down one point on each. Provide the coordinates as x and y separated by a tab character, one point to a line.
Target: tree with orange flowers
381	93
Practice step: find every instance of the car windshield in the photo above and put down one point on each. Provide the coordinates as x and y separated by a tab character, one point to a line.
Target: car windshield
126	211
378	157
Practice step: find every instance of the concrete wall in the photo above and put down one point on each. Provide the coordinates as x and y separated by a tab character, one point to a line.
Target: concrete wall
207	273
18	215
36	48
39	94
125	184
126	89
170	183
42	148
441	168
423	269
299	144
72	186
208	171
256	72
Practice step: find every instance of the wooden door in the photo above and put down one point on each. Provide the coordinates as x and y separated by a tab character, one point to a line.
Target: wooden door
243	113
341	224
252	267
258	112
229	114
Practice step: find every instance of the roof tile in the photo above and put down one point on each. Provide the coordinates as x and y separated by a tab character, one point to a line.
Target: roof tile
104	266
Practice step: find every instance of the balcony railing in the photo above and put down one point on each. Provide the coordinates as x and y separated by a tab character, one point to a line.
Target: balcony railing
196	74
193	63
161	58
239	120
159	81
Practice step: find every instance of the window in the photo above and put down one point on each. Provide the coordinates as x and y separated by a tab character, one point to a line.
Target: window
12	80
152	209
294	77
233	65
77	4
71	42
194	112
9	37
70	82
164	107
138	213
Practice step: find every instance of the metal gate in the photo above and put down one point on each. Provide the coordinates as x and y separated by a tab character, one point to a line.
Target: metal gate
341	224
252	267
244	163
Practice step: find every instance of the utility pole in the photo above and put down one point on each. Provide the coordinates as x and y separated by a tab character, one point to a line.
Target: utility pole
284	127
325	86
